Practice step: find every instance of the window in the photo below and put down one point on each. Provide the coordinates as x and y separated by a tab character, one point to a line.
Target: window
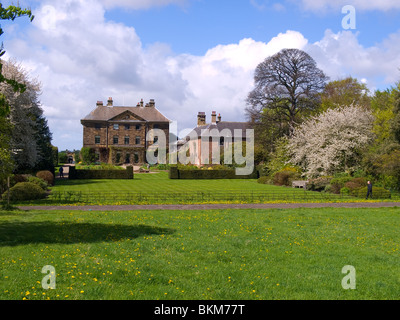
97	156
116	126
126	140
127	127
137	140
97	139
156	126
127	158
118	157
115	140
97	125
138	127
136	157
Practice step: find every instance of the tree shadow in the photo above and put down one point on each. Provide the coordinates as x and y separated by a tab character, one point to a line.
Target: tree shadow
22	233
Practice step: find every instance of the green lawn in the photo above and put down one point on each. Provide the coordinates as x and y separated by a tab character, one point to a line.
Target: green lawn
226	254
156	188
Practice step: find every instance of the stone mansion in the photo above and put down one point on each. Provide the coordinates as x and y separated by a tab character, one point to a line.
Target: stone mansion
118	134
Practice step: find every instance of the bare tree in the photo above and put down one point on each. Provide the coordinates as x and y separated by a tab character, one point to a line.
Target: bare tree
287	87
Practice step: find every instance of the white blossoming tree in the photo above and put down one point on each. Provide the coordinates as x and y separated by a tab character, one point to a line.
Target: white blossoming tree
332	142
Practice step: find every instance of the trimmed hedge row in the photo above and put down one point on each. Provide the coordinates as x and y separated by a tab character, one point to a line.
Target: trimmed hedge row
175	173
100	174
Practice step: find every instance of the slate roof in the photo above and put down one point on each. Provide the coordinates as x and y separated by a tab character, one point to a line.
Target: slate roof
105	113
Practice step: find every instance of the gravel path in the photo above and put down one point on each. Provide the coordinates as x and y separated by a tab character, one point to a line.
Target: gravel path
217	206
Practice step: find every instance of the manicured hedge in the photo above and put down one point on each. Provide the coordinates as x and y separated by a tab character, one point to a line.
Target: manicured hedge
175	173
25	191
100	174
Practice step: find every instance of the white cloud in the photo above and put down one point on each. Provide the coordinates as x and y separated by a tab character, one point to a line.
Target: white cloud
341	55
322	5
140	4
80	58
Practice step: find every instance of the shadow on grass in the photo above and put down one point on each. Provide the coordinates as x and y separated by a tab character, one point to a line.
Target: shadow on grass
22	233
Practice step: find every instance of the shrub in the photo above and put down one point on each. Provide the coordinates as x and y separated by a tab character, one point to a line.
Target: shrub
318	184
88	155
100	174
264	180
345	191
46	176
338	183
19	178
40	182
377	193
285	176
162	166
25	191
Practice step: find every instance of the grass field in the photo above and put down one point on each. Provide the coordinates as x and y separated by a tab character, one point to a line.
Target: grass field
229	254
156	188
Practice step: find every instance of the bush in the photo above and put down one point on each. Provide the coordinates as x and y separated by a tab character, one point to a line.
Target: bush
176	173
345	191
338	183
88	155
25	191
19	178
264	180
46	176
286	176
40	182
318	184
100	174
377	193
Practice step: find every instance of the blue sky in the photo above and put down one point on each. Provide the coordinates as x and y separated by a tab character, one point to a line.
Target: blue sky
189	55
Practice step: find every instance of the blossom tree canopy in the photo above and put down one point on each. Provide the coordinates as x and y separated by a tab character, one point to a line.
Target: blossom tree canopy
332	142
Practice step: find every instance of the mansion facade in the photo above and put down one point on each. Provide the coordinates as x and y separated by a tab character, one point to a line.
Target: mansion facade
119	135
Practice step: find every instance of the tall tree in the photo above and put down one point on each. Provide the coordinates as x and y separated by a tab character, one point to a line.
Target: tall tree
287	88
30	135
396	110
6	163
345	92
10	13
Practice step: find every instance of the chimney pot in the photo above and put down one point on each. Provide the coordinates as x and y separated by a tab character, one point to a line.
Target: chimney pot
110	102
99	103
201	119
214	117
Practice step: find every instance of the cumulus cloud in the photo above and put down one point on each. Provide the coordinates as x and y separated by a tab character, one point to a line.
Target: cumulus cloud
80	58
140	4
341	55
322	5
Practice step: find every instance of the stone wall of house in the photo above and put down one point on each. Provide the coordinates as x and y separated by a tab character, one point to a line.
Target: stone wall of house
120	153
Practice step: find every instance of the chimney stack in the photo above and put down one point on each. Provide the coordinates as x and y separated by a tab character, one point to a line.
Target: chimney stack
214	117
99	104
110	102
152	103
201	119
219	118
141	102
